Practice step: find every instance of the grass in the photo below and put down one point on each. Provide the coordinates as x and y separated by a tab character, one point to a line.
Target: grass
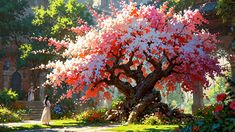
54	124
145	128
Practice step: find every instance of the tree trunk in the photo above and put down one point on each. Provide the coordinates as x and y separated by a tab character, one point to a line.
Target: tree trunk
141	96
141	106
197	98
131	110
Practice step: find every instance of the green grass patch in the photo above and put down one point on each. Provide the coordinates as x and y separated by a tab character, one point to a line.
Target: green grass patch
54	124
145	128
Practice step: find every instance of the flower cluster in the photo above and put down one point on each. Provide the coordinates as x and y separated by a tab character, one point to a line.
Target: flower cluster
90	116
143	35
217	117
221	98
57	109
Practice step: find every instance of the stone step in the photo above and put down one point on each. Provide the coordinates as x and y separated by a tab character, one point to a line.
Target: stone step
36	112
31	116
34	104
36	109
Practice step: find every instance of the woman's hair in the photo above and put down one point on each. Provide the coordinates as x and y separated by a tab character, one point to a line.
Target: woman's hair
45	100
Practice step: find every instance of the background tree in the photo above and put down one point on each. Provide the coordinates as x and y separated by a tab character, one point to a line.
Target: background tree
14	24
137	50
59	17
55	20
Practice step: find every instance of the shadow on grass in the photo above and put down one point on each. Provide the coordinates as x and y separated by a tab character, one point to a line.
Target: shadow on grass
4	129
158	129
18	128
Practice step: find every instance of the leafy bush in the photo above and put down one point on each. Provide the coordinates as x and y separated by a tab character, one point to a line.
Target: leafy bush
7	97
152	120
62	108
207	111
91	116
218	117
23	111
117	101
17	105
59	113
8	116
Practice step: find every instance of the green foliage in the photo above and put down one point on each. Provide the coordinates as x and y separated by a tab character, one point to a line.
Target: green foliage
23	111
2	52
176	98
25	49
7	97
206	112
15	26
225	9
52	21
180	5
117	101
60	15
152	120
91	116
64	108
218	117
144	128
13	23
216	88
8	116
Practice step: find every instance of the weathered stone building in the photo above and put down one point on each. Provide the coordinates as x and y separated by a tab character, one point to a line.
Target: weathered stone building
19	79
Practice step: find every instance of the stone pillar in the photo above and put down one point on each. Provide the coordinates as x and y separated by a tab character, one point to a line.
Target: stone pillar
6	79
197	97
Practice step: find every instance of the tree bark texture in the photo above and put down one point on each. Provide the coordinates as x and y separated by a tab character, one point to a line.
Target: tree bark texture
140	96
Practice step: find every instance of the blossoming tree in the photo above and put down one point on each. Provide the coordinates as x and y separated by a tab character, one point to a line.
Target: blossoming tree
137	50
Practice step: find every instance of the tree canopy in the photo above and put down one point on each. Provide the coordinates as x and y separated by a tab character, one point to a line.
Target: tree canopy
137	50
13	23
60	16
136	45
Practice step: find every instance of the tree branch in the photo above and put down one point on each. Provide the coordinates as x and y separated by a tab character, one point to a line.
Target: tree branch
123	87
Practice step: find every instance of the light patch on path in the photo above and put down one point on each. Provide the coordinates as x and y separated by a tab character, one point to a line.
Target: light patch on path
21	123
75	129
65	129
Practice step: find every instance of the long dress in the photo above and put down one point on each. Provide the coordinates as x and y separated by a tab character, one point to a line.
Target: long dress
46	114
31	95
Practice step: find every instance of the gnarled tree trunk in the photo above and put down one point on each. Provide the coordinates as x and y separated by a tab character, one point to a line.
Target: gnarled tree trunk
140	96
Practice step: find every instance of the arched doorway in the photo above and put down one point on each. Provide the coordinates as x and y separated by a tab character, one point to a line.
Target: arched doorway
16	84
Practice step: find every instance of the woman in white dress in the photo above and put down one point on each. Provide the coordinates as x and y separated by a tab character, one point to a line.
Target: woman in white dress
46	114
31	94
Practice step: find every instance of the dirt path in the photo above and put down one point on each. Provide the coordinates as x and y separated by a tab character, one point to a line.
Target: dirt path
74	129
65	129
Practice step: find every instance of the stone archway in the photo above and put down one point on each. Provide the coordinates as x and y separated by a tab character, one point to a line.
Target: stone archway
16	84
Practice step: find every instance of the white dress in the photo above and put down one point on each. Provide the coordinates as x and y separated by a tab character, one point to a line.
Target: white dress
31	95
46	114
